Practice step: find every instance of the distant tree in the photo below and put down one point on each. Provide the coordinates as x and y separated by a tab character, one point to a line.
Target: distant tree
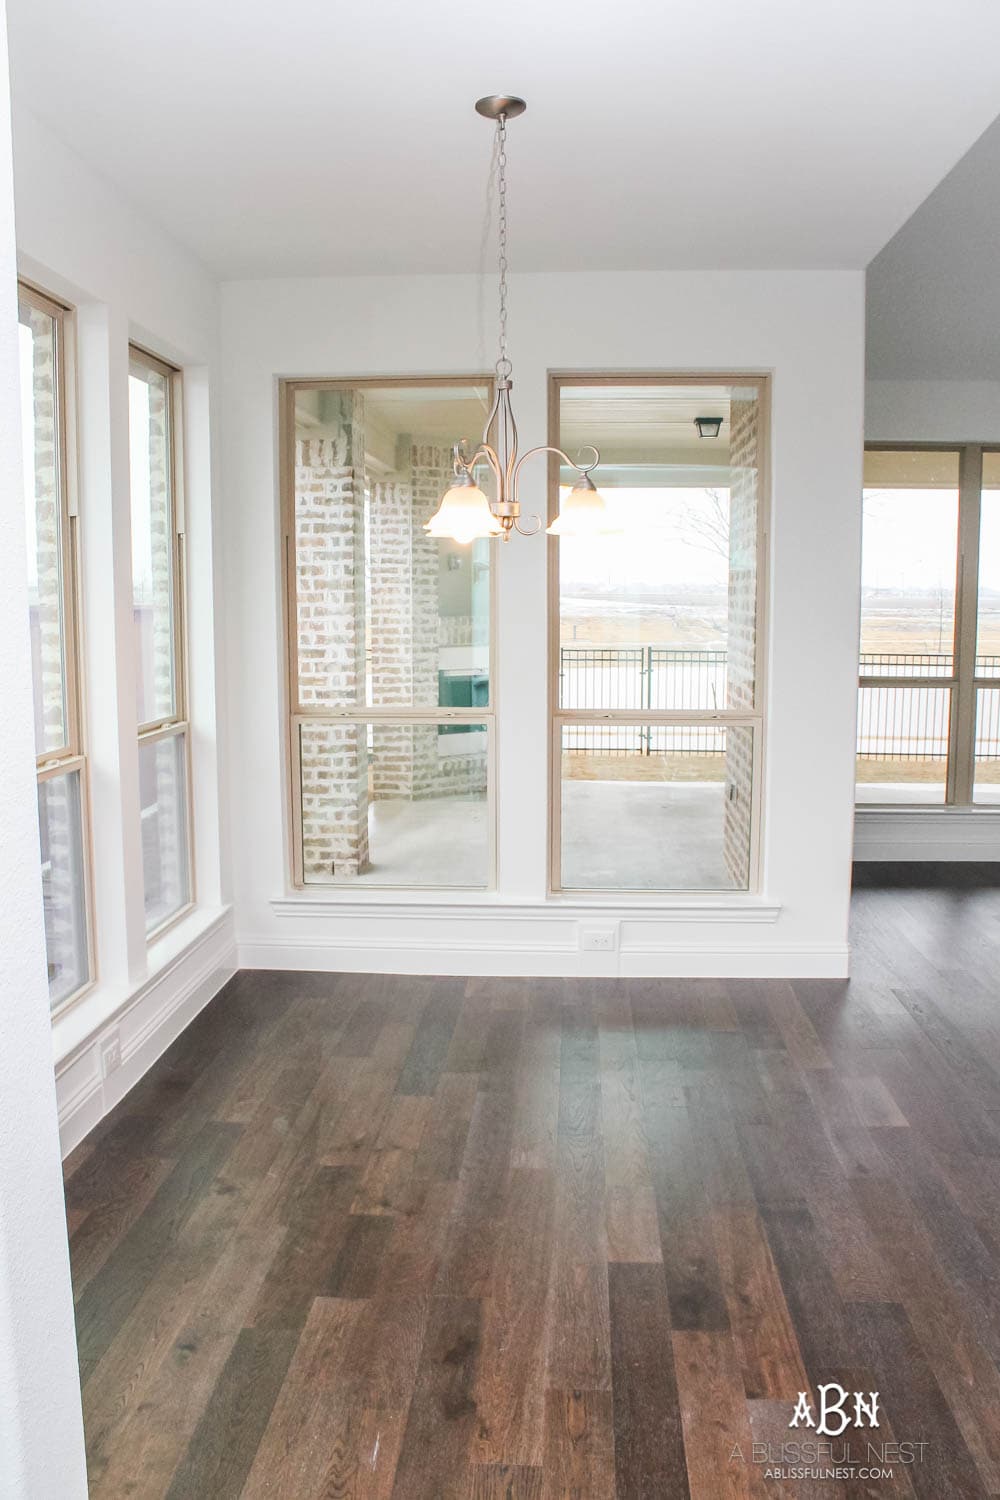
707	526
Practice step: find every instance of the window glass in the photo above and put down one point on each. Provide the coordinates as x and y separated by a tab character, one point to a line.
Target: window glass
386	616
164	820
658	618
44	518
903	744
60	826
394	803
653	806
661	613
987	773
909	560
153	555
988	637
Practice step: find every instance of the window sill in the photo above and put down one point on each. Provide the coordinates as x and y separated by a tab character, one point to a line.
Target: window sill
701	907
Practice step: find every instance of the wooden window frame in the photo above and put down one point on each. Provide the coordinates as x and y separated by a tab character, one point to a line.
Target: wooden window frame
297	714
178	723
71	757
559	716
963	682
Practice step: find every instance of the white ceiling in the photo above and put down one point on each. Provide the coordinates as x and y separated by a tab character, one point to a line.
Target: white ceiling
328	138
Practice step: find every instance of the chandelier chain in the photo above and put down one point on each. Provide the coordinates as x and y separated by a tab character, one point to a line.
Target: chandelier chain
503	365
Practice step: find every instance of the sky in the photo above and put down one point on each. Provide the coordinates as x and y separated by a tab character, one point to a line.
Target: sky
658	544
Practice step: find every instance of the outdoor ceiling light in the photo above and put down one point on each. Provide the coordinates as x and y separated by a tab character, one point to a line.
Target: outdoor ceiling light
465	512
708	427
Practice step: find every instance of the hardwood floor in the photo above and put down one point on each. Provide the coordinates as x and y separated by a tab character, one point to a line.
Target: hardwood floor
421	1239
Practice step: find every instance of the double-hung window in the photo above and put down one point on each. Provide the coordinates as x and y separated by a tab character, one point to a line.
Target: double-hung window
158	604
391	697
50	517
657	636
929	692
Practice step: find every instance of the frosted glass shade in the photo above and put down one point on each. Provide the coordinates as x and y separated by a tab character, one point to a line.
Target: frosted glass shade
463	515
582	512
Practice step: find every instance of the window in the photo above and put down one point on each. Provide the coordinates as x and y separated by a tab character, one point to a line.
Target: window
389	636
929	692
657	640
51	563
158	613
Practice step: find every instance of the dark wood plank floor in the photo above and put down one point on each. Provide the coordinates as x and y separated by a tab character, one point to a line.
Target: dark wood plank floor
553	1240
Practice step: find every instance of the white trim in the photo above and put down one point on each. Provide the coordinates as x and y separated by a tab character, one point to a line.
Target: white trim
555	954
927	833
147	1020
712	908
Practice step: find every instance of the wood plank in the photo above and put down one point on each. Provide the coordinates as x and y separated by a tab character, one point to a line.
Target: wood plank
222	1449
764	1337
713	1415
434	1460
579	1446
649	1444
307	1425
510	1386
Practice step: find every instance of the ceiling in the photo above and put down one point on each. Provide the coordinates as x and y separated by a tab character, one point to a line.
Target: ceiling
340	139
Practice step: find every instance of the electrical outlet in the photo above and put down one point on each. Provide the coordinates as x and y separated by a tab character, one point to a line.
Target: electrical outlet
111	1053
599	939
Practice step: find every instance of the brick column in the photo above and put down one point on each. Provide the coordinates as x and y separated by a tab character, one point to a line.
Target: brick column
330	559
405	616
744	465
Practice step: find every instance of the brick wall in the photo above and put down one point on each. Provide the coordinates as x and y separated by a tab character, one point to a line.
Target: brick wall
330	566
744	460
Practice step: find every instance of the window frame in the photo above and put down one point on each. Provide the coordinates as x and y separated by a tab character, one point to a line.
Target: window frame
297	714
178	723
71	757
964	682
559	716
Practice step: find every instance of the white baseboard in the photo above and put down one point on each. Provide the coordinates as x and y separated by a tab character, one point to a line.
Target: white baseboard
146	1022
927	834
649	958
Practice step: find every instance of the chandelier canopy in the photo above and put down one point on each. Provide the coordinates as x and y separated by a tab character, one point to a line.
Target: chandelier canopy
465	511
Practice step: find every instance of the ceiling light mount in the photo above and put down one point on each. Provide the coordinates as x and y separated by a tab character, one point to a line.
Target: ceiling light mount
465	512
492	106
708	427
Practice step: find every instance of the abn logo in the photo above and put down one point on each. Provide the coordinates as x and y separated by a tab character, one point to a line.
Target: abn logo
833	1406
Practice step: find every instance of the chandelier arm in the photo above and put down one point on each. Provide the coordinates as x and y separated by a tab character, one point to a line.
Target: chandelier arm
487	451
511	441
530	530
492	416
548	448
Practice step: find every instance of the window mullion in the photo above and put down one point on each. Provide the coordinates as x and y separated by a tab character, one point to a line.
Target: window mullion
962	737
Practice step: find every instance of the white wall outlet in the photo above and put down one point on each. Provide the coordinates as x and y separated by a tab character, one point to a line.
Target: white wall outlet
594	939
111	1053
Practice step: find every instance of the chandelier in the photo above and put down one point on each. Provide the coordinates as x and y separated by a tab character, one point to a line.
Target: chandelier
465	512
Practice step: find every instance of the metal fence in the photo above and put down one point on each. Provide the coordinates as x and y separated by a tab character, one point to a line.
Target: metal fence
642	677
894	722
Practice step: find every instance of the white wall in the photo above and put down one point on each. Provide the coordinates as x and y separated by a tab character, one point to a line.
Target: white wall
805	327
41	1429
128	280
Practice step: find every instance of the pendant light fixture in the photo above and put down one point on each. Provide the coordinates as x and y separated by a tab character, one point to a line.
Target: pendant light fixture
465	512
